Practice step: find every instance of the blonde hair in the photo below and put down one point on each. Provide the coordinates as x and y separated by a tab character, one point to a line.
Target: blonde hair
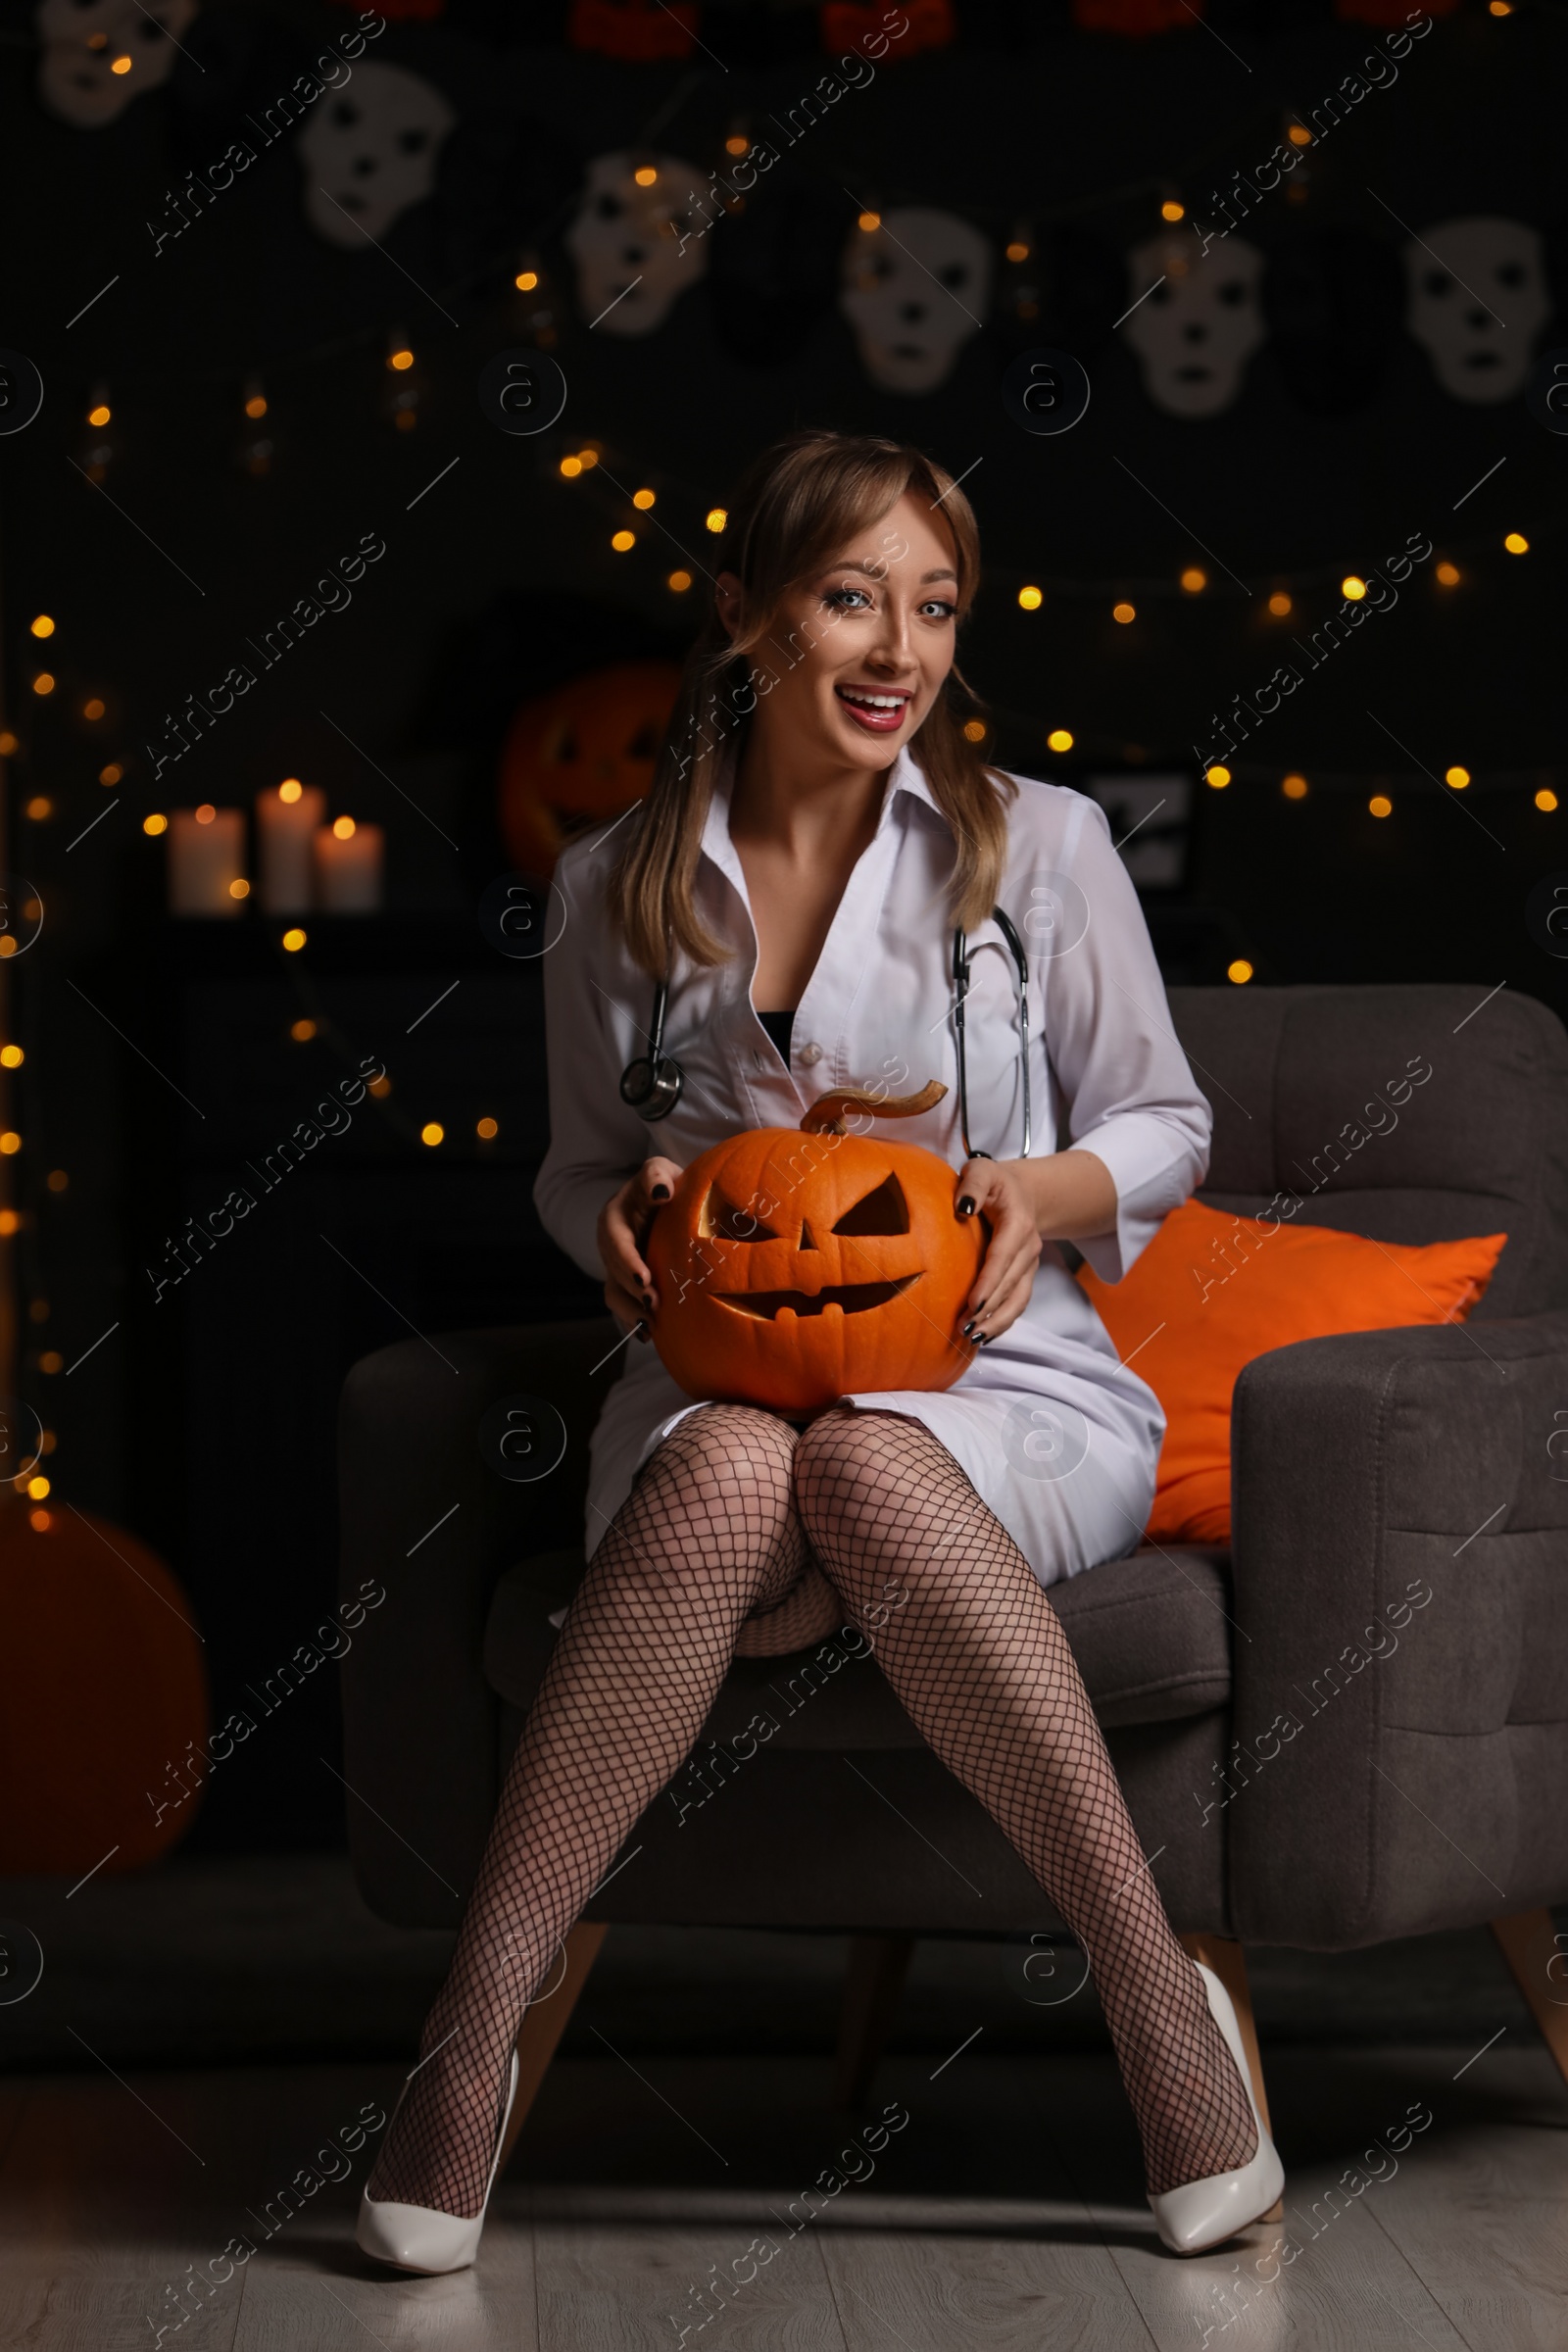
798	502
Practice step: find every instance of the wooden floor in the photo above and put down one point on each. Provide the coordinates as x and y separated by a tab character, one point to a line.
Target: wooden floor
1007	2213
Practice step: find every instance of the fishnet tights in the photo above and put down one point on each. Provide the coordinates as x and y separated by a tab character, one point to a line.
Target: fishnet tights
718	1534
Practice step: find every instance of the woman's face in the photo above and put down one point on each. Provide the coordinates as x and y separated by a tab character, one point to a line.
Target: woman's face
857	653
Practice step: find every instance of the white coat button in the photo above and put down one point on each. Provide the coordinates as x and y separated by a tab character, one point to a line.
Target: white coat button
811	1054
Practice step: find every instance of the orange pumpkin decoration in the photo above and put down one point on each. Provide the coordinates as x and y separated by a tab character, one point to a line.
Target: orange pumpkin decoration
106	1715
793	1272
583	751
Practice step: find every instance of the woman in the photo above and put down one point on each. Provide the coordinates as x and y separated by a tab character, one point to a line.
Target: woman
818	823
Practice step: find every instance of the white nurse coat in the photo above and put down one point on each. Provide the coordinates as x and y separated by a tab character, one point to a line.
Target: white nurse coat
1055	1434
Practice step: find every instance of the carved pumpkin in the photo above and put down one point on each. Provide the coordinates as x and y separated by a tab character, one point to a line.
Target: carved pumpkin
583	751
107	1703
793	1268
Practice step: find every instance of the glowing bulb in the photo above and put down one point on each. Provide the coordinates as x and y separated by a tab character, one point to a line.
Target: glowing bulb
680	581
93	708
343	827
1240	971
571	467
100	413
527	280
58	1181
975	730
1017	251
1448	576
1194	580
1279	604
432	1133
487	1130
1059	740
717	517
43	626
1517	544
1546	798
154	824
870	220
1124	613
51	1361
1030	599
40	808
1354	587
1299	135
1219	776
7	744
205	814
240	889
1295	788
645	175
736	143
10	1222
294	940
40	1522
1170	210
587	458
44	682
401	359
1458	777
12	1056
302	1032
380	1088
38	1488
1381	804
122	65
290	790
622	540
643	499
10	1142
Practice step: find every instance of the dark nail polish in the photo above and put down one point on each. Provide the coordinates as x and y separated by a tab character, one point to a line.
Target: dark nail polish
966	1206
659	1191
971	1332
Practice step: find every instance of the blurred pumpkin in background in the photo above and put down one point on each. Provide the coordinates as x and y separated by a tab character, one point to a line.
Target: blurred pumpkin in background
106	1715
583	751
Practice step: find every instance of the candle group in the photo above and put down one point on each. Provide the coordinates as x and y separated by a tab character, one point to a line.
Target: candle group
304	863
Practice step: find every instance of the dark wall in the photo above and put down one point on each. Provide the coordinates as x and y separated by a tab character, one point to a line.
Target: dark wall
154	1064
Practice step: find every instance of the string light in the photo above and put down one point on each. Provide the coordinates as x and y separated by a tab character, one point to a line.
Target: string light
1295	788
1448	576
643	499
239	888
1546	798
44	682
1059	740
1240	971
527	280
10	1222
571	467
1124	613
1458	777
100	413
380	1087
1219	776
294	940
154	824
290	790
302	1031
40	808
870	220
1354	587
57	1180
432	1133
254	400
487	1130
1298	135
646	174
1031	599
205	814
12	1057
622	540
42	625
975	730
1381	804
680	581
717	517
1017	251
1279	604
1194	580
400	357
1170	210
1517	544
343	827
10	1142
50	1360
587	458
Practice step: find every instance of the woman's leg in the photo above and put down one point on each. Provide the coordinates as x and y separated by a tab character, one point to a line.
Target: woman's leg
977	1655
707	1534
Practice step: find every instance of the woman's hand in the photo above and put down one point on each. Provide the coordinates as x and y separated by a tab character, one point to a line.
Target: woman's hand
623	1224
994	1190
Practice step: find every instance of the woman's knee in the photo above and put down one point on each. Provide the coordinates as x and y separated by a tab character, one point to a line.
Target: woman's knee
728	1462
853	1468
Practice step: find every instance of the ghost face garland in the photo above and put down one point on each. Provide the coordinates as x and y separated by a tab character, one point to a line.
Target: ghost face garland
98	54
632	241
1478	300
369	152
914	289
1199	323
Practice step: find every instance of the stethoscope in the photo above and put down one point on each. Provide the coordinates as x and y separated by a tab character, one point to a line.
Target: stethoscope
652	1085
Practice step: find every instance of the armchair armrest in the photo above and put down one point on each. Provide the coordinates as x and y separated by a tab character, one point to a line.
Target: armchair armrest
1400	1577
425	1515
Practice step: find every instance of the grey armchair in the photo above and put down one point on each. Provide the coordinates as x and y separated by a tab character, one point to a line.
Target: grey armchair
1422	1786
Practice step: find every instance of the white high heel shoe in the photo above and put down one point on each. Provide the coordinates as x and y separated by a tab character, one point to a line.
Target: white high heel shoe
1200	2214
417	2237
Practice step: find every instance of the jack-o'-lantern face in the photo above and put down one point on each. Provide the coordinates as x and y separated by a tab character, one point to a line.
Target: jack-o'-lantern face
793	1269
585	751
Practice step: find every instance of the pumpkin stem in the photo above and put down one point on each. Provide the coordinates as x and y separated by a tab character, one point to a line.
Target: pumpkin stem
828	1114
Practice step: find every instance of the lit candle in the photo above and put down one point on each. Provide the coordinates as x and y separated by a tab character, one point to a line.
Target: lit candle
348	867
286	825
207	860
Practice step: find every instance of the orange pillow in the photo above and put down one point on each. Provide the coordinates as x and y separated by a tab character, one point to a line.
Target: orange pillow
1212	1291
